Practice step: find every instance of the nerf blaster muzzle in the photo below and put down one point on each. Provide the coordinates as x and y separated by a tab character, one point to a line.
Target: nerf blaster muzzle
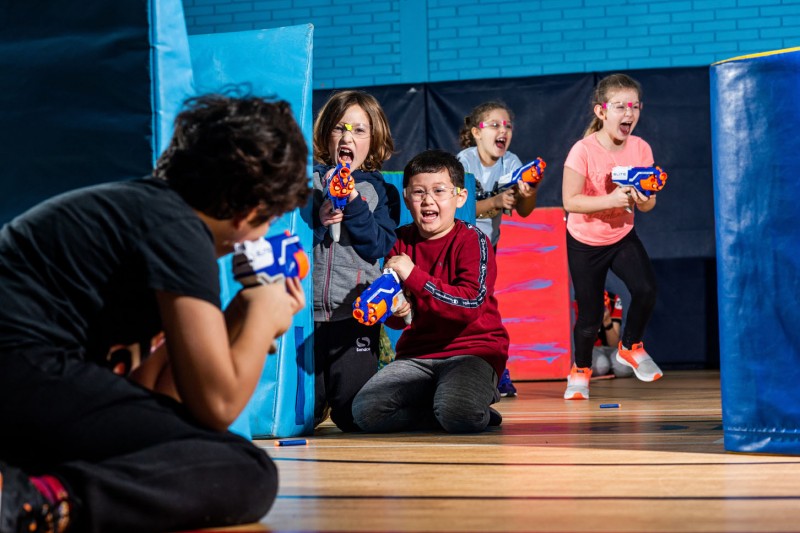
380	300
531	173
269	259
338	188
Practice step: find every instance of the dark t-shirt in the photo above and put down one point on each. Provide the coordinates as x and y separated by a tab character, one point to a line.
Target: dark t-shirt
78	273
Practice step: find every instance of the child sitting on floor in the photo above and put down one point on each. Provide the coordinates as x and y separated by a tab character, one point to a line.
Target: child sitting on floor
450	357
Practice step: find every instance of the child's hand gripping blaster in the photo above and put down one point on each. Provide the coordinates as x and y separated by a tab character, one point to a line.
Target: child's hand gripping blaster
380	299
338	187
269	260
646	180
531	173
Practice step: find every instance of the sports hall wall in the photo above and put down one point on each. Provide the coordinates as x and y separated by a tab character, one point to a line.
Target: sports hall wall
389	42
430	61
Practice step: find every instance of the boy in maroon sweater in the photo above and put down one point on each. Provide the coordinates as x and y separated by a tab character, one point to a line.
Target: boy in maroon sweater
450	357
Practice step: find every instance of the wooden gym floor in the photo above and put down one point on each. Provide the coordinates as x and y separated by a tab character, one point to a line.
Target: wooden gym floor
657	464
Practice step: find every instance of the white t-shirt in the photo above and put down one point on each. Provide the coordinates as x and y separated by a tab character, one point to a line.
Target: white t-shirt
487	178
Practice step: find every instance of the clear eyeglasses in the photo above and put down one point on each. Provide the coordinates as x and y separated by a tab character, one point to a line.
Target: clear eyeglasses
359	131
437	193
496	124
621	107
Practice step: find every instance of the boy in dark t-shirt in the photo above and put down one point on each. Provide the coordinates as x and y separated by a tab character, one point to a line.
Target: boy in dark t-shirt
449	359
84	449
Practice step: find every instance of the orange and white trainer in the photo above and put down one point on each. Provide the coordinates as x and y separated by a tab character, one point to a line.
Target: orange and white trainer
640	361
578	383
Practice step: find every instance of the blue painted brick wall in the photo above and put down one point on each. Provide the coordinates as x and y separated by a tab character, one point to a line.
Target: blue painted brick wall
409	41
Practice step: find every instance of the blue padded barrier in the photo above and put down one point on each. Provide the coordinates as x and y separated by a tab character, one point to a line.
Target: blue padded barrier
82	86
756	156
271	63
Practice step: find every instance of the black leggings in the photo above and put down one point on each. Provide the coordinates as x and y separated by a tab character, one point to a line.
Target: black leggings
588	266
133	461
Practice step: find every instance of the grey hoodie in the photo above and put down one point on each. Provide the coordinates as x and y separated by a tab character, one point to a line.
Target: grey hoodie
342	270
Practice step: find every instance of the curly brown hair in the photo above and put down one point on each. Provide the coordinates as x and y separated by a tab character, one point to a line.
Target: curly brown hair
231	154
381	145
475	117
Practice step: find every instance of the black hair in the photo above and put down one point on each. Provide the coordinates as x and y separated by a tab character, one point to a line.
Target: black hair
230	154
432	161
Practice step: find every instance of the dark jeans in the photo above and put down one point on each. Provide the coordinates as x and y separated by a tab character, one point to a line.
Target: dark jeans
133	460
453	394
345	358
588	267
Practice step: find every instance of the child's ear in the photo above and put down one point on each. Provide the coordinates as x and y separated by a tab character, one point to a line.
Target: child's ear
461	197
599	112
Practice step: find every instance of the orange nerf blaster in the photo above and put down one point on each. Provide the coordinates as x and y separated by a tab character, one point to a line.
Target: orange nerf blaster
380	299
338	188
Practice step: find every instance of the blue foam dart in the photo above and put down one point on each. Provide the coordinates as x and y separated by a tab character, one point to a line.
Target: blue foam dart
291	442
610	405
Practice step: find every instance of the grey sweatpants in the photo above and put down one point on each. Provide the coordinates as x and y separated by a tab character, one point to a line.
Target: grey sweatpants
453	394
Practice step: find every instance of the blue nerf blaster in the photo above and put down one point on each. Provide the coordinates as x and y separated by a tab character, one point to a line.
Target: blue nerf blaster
338	188
380	299
646	180
531	173
269	260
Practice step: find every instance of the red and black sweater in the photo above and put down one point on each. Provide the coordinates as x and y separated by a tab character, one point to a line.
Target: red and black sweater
451	291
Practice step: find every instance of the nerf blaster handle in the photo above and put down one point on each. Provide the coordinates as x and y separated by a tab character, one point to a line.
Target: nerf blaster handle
646	180
269	260
338	188
380	299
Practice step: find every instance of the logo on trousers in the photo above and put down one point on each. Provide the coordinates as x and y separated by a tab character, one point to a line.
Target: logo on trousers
362	344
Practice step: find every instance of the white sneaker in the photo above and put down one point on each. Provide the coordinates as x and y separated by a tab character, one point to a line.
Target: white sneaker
640	361
578	384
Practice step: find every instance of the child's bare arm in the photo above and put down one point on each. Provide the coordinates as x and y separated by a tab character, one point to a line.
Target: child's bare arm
214	373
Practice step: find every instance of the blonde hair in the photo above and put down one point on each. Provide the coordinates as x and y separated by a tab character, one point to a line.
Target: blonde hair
602	92
381	144
475	117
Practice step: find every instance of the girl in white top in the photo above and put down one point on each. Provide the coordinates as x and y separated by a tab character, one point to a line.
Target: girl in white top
486	136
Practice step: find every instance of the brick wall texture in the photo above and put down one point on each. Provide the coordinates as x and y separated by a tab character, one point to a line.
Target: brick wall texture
385	42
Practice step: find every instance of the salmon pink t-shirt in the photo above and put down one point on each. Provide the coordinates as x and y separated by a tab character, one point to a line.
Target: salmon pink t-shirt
589	158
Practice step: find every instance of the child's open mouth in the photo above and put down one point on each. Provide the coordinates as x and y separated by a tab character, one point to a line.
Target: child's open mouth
625	127
501	142
346	155
428	215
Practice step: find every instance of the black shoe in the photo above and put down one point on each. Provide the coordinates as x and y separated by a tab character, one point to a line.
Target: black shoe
25	509
495	418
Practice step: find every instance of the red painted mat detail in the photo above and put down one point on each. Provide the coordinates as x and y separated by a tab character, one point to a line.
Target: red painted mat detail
532	290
